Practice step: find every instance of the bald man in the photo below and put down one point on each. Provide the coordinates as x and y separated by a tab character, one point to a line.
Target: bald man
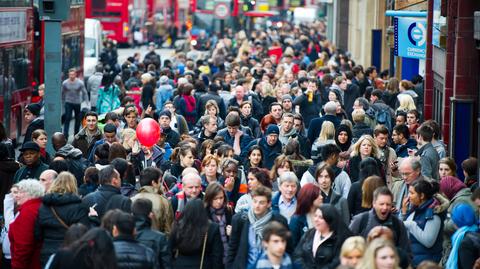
191	189
47	177
58	140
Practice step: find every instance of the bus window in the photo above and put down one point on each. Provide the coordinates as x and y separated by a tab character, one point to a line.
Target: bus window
71	53
15	3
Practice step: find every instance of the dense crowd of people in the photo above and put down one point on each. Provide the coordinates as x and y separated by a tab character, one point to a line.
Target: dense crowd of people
275	151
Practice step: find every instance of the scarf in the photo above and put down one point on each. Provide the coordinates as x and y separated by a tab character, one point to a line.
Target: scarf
190	106
222	222
259	224
457	237
450	186
43	152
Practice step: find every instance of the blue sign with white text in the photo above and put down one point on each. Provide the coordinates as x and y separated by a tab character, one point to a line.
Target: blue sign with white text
410	37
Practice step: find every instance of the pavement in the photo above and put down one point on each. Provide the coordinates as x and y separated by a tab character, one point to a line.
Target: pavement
124	53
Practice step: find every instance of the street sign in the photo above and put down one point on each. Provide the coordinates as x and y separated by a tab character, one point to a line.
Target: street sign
221	10
410	37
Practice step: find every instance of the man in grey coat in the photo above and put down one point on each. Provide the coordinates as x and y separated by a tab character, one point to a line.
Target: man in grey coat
73	94
93	85
428	155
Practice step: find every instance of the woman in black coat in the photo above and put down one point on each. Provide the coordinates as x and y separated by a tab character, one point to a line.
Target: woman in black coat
218	211
195	238
61	208
327	237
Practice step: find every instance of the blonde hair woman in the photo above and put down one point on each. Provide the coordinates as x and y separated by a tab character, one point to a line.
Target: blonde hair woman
365	147
61	208
406	103
352	251
380	254
327	136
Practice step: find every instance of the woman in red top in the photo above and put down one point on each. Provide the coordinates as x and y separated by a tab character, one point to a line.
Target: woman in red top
24	248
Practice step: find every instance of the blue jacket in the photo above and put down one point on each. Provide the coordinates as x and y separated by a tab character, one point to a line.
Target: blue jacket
402	150
423	214
244	140
298	226
270	153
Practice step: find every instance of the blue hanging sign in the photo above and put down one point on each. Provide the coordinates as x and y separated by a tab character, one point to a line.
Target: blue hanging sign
410	37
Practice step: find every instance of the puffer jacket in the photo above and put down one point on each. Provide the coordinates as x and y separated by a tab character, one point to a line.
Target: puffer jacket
155	240
133	255
70	210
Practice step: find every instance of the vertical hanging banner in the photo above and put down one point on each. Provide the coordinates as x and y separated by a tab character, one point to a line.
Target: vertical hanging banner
410	37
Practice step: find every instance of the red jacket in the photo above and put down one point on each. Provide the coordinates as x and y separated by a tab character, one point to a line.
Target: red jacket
25	249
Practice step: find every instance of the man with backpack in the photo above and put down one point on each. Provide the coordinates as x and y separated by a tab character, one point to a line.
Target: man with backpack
384	114
381	215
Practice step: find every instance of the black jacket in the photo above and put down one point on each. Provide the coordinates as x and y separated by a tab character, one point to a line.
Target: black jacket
172	137
155	240
238	246
70	210
316	126
213	251
309	110
34	125
349	97
133	255
470	250
327	255
211	96
360	129
107	197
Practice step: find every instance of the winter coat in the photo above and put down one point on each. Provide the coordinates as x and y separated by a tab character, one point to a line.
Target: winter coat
340	204
402	150
70	210
162	209
75	161
213	251
469	254
309	110
252	124
172	137
326	256
202	101
93	86
24	248
8	168
30	172
238	246
107	197
108	99
360	129
133	255
418	218
153	239
429	160
316	126
84	142
244	140
349	97
270	153
164	94
298	226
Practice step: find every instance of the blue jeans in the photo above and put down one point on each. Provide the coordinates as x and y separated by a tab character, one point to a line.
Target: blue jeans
69	107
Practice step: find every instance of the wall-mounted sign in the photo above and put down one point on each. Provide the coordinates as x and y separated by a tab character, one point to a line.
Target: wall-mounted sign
410	37
13	26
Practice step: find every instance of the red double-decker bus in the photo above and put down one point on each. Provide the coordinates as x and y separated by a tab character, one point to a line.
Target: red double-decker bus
21	56
118	17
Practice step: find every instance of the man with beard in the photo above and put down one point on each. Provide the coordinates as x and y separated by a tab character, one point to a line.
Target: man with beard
33	165
287	103
381	215
88	136
287	132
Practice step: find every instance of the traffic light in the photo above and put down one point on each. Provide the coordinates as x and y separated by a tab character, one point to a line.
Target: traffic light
54	10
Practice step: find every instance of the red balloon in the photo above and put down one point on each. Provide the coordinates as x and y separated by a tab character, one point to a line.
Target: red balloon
148	132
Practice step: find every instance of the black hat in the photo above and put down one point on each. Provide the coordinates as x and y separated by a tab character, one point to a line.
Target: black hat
30	146
34	108
165	112
272	129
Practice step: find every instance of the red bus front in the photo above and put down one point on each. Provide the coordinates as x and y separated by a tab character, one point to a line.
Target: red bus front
16	55
118	17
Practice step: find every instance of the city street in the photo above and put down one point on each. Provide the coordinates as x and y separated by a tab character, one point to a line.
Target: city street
124	53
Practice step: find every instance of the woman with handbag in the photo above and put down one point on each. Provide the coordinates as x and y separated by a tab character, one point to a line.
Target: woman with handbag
195	241
61	207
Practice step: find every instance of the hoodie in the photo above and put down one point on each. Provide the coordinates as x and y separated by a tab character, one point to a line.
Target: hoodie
75	161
